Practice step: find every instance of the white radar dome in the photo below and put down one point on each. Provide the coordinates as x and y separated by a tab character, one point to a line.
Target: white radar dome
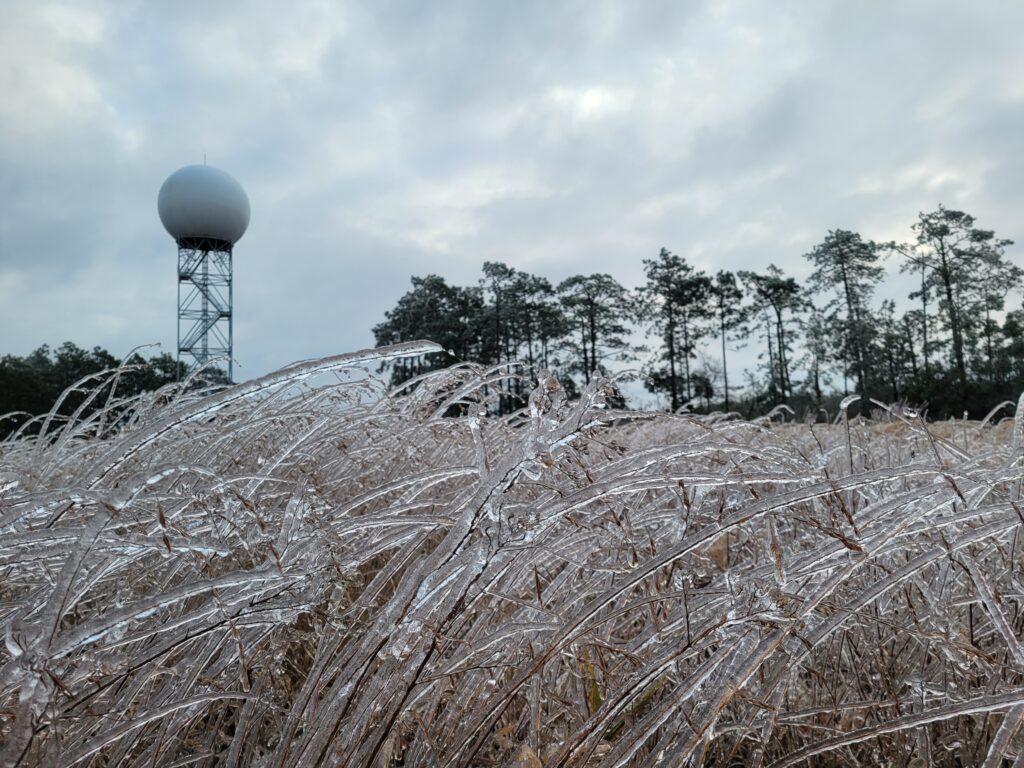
203	201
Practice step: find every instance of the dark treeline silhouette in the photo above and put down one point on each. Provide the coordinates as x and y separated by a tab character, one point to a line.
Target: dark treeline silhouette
959	348
32	385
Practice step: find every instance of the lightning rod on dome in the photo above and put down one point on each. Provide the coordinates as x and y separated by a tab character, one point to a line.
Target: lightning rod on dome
206	211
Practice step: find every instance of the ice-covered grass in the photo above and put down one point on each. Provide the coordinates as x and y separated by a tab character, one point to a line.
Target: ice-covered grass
298	572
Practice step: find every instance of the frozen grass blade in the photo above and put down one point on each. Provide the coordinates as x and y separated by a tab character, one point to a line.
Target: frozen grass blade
308	570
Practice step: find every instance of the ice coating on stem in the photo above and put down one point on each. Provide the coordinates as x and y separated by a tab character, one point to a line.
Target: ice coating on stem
252	572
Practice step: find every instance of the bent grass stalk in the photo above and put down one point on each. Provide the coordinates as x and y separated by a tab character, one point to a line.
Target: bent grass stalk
310	569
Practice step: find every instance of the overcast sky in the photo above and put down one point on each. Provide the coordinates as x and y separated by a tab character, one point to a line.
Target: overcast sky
382	140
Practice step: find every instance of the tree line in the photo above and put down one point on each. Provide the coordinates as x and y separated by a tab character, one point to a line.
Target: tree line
959	347
30	386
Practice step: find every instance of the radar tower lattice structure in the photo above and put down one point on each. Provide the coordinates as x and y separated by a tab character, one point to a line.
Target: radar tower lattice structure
205	323
206	212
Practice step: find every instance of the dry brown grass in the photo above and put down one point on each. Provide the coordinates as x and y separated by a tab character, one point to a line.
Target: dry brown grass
289	574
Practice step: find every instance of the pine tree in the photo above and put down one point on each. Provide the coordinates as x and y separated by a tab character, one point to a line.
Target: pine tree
726	293
953	256
450	315
847	267
774	295
598	310
677	301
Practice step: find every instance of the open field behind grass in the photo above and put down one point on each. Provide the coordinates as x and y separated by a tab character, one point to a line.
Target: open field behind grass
298	573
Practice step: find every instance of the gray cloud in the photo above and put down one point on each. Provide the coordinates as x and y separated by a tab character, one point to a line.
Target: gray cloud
386	140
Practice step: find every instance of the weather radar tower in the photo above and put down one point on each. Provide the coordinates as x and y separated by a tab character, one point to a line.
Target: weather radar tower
206	212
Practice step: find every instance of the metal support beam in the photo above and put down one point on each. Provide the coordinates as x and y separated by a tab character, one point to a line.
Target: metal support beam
205	329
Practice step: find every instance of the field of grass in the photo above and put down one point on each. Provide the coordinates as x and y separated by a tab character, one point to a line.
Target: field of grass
304	570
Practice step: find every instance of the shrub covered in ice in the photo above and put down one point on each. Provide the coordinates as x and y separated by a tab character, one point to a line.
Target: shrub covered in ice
308	571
